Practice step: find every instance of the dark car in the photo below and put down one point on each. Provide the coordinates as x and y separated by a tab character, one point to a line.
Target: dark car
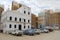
29	32
50	28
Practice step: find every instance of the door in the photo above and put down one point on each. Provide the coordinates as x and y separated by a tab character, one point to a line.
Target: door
19	27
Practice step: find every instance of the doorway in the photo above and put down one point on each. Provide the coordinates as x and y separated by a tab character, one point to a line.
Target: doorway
19	27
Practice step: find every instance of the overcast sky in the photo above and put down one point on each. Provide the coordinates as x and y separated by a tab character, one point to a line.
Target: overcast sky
36	5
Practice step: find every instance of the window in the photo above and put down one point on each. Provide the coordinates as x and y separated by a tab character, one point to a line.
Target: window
10	18
15	19
28	21
24	27
14	26
10	26
24	20
24	12
28	13
19	19
28	26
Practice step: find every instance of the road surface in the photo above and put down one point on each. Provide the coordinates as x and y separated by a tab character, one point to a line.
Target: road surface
55	35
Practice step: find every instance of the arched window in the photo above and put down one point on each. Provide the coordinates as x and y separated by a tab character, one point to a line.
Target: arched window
28	26
20	19
24	20
10	26
28	21
15	19
24	12
24	27
14	26
10	18
28	13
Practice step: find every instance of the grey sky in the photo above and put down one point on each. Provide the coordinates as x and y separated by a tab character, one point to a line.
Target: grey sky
36	5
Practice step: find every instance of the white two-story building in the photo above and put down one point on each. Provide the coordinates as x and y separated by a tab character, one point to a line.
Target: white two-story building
16	19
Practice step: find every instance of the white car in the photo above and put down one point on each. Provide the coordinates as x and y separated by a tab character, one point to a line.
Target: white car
17	32
37	31
56	28
44	30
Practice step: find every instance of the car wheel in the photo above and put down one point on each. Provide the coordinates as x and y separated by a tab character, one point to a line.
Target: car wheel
32	34
20	35
38	33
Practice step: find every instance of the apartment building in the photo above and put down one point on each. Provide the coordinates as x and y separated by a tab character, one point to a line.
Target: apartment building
34	21
41	18
19	19
52	17
1	10
44	17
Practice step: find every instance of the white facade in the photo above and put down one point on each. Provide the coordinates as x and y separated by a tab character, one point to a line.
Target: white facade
16	19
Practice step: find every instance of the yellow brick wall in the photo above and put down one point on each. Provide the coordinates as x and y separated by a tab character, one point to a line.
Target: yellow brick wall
34	21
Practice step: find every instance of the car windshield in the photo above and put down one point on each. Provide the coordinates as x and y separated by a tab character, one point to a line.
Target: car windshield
45	28
30	30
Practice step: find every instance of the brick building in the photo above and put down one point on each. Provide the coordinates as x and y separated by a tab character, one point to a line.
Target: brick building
1	10
34	21
52	18
41	19
15	5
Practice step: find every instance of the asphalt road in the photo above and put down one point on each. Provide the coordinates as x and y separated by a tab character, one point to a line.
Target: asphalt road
55	35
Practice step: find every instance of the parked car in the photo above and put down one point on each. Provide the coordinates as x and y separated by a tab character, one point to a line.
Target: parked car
16	32
56	27
29	32
37	31
42	31
50	28
45	30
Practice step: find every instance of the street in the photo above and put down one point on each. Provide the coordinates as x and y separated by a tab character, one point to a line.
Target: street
55	35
